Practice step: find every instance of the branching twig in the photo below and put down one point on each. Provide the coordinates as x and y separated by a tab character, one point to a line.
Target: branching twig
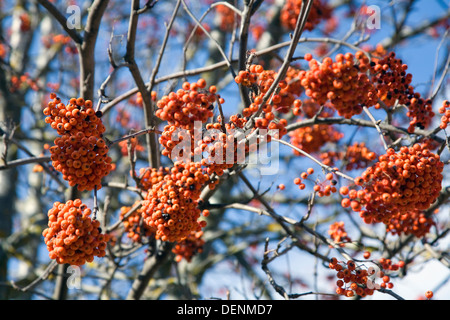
324	166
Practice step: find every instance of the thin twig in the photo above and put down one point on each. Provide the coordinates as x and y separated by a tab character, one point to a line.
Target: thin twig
324	166
377	126
20	162
228	63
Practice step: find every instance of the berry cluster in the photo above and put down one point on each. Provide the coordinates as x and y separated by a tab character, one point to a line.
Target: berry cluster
327	187
189	104
189	247
414	222
322	189
171	137
72	237
171	205
388	265
135	146
360	280
299	181
77	115
338	233
151	176
22	82
391	80
311	139
396	186
393	85
82	160
420	112
352	279
220	149
182	109
227	17
445	112
357	156
80	153
320	11
281	101
343	82
134	227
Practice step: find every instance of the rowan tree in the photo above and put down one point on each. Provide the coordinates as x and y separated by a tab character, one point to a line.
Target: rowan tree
224	149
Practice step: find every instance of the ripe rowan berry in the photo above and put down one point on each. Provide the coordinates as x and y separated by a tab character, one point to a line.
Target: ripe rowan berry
320	11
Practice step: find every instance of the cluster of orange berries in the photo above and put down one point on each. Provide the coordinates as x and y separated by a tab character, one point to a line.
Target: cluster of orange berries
281	102
189	104
227	17
360	280
414	222
77	115
356	156
171	205
320	11
326	187
396	186
80	153
338	233
138	101
420	112
171	137
133	224
352	279
309	108
60	40
22	82
388	265
322	189
182	109
389	76
445	111
310	139
220	148
72	237
303	176
151	176
134	144
343	82
189	247
393	85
